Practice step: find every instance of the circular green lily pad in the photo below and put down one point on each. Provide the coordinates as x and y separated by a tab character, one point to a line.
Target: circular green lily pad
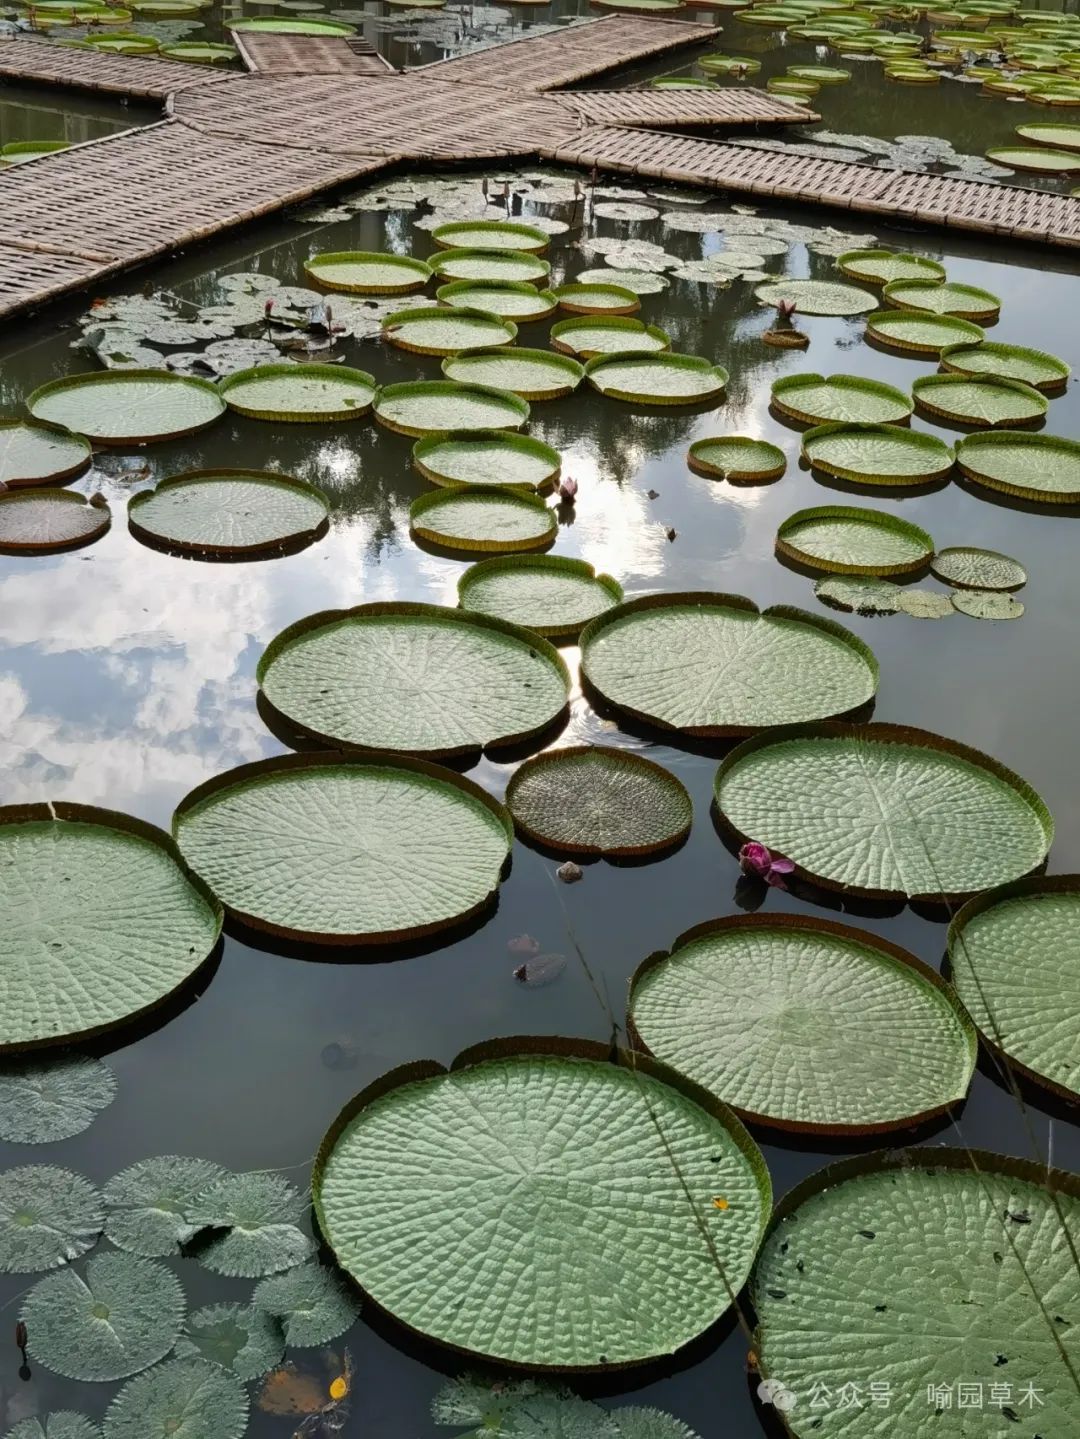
228	512
180	1399
877	454
1035	159
312	1304
987	605
818	297
34	521
515	266
39	454
42	1101
200	52
789	85
981	400
660	379
122	1317
641	282
447	331
820	74
850	540
48	1217
489	458
150	1204
879	267
1015	962
973	569
253	1222
483	519
420	407
1007	362
367	272
815	400
1061	137
512	1128
591	799
859	1249
925	604
1042	468
237	1337
299	393
597	299
724	64
919	333
861	594
516	301
412	677
714	665
122	407
884	810
610	335
490	235
285	25
739	1005
967	302
548	594
100	922
738	459
532	374
60	1424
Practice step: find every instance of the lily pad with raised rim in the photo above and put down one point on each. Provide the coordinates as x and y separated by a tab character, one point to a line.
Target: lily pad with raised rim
514	266
42	1101
491	458
421	407
974	569
40	454
237	1337
150	1203
660	379
228	512
1007	362
532	374
879	267
448	330
877	454
884	810
313	394
483	519
591	799
367	272
1035	159
48	1217
312	1303
34	521
1041	468
597	299
613	335
741	1005
967	302
818	297
286	25
714	665
345	851
490	235
917	333
547	594
850	399
100	921
859	594
980	400
737	459
515	300
850	540
123	407
180	1399
1060	137
512	1127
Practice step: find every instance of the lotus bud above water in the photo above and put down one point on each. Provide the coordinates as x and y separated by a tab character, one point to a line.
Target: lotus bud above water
568	489
756	860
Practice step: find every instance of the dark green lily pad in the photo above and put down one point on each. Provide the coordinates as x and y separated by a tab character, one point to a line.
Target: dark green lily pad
237	1337
48	1217
60	1424
42	1101
548	594
150	1204
312	1304
251	1218
180	1399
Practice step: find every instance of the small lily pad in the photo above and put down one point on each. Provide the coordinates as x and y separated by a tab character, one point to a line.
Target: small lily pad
944	298
987	605
488	458
850	540
532	374
1007	362
366	272
42	1101
228	512
48	1217
490	235
919	333
34	521
149	1205
738	459
60	1424
514	301
660	379
877	454
879	267
238	1337
420	407
613	335
861	594
483	519
129	406
597	299
447	330
304	393
818	297
252	1219
1041	468
850	399
548	594
515	266
981	400
180	1399
925	604
640	282
969	568
39	454
313	1304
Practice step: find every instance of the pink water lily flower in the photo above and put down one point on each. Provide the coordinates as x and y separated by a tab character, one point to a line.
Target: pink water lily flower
755	859
568	490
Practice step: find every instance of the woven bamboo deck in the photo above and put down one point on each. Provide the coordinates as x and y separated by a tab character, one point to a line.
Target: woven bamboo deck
141	77
309	55
722	108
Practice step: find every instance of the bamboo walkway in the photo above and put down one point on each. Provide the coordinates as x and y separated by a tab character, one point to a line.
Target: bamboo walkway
309	55
143	77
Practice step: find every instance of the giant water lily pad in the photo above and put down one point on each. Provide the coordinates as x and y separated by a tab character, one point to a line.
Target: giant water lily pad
597	299
39	454
60	1424
944	298
512	1130
1035	159
489	235
1060	137
885	810
238	1337
971	1243
877	454
590	799
738	459
313	393
740	1005
489	458
286	25
818	297
312	1304
548	594
150	1204
1042	468
714	665
447	330
1015	962
251	1219
850	540
515	266
660	379
420	407
975	569
42	1101
879	267
532	374
34	521
919	333
100	922
180	1399
516	301
607	335
228	512
483	519
123	1316
129	406
1007	362
366	272
345	851
979	400
815	400
48	1217
412	677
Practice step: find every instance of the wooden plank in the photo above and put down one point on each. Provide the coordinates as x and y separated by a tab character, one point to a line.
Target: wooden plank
652	108
140	77
309	55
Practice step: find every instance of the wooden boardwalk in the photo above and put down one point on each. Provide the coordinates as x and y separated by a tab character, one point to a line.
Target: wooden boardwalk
309	55
142	77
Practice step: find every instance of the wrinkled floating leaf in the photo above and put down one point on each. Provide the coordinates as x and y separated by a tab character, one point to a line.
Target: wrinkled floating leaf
548	594
130	407
472	264
987	605
640	282
984	400
532	374
48	1217
540	969
660	379
919	333
878	267
877	454
257	1213
124	1316
975	569
634	1422
607	336
512	1137
597	299
149	1204
871	1262
236	1337
738	459
60	1424
818	297
418	407
489	235
483	518
228	512
39	454
884	809
805	1024
487	458
1007	362
925	604
625	210
180	1399
44	1101
37	521
99	921
714	665
1043	468
516	301
815	400
596	800
863	594
849	540
313	393
313	1304
364	272
943	298
320	847
447	330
